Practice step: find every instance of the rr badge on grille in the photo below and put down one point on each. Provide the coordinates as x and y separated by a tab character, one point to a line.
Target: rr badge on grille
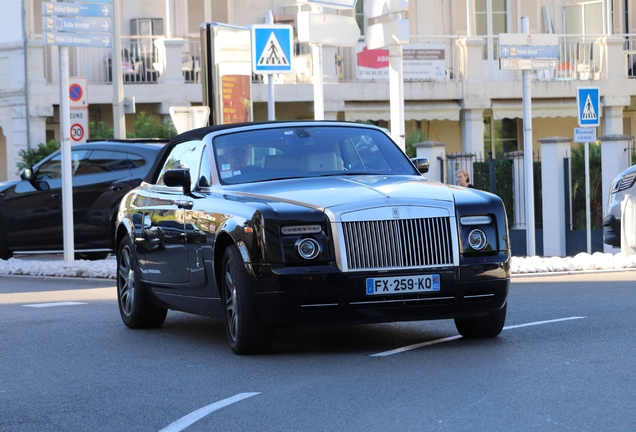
396	213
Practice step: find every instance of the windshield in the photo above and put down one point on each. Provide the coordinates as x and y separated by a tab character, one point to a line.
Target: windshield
314	151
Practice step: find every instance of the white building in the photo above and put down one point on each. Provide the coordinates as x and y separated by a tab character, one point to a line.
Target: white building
462	98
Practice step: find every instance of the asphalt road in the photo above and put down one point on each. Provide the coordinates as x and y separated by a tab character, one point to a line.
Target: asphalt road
564	362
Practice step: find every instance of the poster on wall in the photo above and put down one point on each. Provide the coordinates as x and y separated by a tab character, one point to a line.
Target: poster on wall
421	62
237	105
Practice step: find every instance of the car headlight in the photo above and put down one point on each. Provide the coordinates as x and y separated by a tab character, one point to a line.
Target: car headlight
475	220
622	183
477	239
308	248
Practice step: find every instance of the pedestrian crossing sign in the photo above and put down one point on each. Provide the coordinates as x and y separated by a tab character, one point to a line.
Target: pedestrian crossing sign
588	105
272	49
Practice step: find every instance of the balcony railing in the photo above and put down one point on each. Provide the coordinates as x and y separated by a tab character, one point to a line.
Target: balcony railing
579	59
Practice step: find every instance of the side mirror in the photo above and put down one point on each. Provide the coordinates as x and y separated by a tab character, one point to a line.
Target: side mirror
178	177
421	164
26	174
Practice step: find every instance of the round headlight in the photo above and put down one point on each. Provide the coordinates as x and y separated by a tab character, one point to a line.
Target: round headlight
308	248
477	239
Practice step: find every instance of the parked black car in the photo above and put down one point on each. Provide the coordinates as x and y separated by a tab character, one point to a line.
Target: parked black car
103	172
307	222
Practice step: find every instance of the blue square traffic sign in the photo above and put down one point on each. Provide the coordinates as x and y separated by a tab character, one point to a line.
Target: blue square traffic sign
588	106
272	49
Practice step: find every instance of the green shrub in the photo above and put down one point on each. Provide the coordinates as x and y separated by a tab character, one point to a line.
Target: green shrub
148	127
145	127
578	187
32	156
413	137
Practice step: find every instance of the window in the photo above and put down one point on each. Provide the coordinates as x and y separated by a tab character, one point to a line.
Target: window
491	18
185	155
103	161
500	136
52	168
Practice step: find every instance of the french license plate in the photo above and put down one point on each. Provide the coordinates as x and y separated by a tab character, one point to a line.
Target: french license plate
402	285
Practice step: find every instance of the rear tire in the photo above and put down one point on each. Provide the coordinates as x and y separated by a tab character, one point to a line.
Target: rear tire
246	333
135	308
487	326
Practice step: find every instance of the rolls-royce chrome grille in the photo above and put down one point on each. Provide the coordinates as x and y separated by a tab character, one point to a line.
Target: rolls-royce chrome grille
401	243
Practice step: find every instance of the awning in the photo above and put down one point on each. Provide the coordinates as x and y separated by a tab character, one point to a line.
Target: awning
540	108
363	111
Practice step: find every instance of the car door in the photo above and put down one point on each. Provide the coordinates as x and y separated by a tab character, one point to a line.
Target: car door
36	206
98	186
169	264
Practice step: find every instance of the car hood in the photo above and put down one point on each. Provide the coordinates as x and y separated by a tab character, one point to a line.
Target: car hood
328	192
7	184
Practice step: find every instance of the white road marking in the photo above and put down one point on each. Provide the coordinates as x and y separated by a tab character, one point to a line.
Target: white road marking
451	338
197	415
43	305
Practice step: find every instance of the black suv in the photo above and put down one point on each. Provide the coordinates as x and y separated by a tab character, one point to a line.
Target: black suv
103	172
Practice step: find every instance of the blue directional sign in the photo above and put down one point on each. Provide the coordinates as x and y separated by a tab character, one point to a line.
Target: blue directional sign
78	39
77	9
272	49
588	105
89	25
529	51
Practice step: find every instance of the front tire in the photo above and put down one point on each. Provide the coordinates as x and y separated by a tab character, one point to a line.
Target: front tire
246	333
135	308
487	326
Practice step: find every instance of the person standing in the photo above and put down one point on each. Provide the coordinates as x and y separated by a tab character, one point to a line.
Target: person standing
463	179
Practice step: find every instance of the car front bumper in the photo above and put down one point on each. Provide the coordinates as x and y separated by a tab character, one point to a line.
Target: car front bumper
326	295
612	231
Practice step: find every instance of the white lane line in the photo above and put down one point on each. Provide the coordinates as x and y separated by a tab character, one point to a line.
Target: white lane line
197	415
43	305
451	338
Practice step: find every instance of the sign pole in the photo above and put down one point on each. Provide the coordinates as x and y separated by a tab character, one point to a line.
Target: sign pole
527	153
396	93
271	101
65	145
119	118
588	227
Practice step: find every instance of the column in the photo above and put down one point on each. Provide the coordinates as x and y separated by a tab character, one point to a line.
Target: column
553	151
472	128
170	60
435	152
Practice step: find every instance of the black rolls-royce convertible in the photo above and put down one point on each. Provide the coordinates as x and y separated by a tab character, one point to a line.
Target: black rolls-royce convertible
278	223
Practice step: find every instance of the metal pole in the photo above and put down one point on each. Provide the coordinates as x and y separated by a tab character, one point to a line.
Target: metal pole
588	228
316	61
271	101
168	21
527	153
470	17
119	118
396	95
65	145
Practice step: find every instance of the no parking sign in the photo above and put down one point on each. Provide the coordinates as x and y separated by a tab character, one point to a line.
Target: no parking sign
77	92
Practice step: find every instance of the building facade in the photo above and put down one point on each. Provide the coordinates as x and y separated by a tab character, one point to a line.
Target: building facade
459	96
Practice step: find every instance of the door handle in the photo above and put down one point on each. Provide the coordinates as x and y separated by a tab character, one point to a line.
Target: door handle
184	204
116	188
56	195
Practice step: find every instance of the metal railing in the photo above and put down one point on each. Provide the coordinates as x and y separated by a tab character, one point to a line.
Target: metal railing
579	59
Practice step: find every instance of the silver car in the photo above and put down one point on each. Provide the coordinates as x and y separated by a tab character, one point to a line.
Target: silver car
622	186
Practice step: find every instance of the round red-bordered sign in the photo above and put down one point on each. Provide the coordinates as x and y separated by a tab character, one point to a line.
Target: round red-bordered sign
77	132
75	92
